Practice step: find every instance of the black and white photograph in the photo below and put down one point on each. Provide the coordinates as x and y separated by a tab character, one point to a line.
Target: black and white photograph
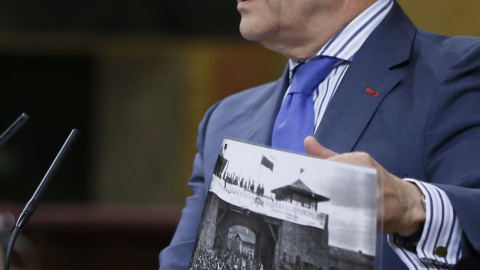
271	209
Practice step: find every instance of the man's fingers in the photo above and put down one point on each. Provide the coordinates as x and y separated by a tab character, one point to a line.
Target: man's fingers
316	149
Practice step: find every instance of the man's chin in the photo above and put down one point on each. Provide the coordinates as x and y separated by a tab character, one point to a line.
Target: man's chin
249	37
250	32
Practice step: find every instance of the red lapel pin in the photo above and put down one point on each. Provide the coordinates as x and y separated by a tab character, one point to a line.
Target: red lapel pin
371	92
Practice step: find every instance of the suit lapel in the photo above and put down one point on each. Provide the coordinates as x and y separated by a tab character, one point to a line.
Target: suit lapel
353	106
263	118
373	73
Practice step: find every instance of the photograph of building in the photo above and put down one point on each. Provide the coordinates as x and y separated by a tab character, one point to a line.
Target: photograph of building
260	225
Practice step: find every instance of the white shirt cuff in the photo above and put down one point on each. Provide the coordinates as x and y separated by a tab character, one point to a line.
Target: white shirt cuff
439	243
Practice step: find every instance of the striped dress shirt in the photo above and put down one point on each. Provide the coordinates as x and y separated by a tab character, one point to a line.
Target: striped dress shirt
442	229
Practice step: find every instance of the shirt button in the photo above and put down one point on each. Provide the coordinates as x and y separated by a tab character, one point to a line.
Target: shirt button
441	251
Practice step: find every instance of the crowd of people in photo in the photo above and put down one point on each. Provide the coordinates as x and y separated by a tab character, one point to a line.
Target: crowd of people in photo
230	259
249	185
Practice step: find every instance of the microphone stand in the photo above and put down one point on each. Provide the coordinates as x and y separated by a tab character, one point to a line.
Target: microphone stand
4	137
33	203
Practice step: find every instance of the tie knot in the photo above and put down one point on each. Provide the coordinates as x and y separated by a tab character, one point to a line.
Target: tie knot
310	74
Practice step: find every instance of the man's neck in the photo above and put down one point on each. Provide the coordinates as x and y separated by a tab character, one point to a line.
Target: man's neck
302	45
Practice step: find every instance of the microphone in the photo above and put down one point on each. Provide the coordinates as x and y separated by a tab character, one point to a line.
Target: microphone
33	203
12	129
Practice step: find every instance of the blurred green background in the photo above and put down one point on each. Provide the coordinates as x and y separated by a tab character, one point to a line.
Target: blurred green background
135	77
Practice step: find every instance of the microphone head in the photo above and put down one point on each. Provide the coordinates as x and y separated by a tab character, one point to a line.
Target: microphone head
13	128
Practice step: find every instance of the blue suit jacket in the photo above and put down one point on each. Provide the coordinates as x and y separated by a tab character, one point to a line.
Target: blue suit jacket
423	124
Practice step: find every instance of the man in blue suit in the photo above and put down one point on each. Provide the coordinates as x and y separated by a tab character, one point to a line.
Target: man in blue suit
401	100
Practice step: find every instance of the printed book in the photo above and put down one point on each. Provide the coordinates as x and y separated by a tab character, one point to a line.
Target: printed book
272	209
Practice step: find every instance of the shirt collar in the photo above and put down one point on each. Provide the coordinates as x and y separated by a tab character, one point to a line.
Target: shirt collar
345	44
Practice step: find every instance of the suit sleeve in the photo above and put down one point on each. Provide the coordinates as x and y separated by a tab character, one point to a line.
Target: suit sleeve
452	142
452	163
178	254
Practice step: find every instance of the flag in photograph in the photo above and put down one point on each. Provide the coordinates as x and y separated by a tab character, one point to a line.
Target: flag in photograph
267	163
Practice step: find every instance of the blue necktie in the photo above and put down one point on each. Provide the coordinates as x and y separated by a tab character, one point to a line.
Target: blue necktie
296	118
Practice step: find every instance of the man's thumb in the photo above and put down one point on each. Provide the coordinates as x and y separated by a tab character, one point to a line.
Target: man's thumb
316	149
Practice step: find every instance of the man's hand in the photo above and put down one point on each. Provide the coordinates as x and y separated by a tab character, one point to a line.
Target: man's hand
403	211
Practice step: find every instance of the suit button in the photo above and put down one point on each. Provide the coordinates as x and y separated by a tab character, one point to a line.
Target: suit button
441	251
